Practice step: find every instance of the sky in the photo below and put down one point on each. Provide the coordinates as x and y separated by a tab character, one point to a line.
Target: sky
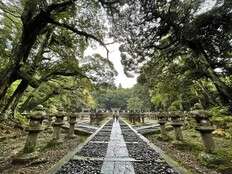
114	56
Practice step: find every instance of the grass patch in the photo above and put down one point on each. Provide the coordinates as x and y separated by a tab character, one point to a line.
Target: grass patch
192	146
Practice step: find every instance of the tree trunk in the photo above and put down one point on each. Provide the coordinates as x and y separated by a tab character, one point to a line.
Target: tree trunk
32	27
223	90
207	94
6	79
14	99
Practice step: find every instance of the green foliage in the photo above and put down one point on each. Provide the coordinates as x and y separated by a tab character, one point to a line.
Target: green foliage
220	116
45	53
21	119
134	104
175	44
13	88
111	97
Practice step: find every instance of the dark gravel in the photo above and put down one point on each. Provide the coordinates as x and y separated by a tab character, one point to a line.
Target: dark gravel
149	161
101	138
94	150
81	167
152	167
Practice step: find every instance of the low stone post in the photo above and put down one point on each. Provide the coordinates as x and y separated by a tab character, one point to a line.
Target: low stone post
34	128
72	122
177	122
91	118
162	120
129	117
143	118
205	128
134	118
85	113
57	125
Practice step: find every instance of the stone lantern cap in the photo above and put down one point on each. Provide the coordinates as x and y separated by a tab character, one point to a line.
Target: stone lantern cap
39	113
162	118
72	119
162	115
202	118
60	113
200	114
176	119
36	117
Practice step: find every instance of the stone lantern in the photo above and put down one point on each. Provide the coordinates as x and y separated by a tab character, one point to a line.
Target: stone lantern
143	117
205	128
72	122
86	112
177	122
92	117
57	125
162	120
134	117
35	127
130	117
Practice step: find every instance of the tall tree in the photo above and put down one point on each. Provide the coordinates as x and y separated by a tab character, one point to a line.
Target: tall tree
45	26
148	29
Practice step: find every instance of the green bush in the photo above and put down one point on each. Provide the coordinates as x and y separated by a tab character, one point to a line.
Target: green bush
220	116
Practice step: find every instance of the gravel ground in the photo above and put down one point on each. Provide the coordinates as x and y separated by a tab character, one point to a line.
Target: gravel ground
149	160
101	138
152	167
81	167
93	150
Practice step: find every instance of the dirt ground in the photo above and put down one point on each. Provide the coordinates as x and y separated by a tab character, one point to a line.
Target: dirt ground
12	141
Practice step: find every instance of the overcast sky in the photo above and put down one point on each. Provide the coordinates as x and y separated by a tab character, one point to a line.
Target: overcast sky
114	56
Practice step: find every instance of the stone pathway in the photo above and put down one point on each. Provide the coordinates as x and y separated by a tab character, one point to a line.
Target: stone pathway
115	149
117	159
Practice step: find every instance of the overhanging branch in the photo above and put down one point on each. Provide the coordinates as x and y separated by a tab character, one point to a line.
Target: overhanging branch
80	33
60	6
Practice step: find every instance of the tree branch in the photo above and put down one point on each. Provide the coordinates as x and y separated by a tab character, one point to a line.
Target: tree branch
60	6
80	33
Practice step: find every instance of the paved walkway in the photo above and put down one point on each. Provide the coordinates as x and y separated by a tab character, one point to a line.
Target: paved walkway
117	160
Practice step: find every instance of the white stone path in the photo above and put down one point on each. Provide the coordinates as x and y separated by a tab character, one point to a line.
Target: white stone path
117	160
